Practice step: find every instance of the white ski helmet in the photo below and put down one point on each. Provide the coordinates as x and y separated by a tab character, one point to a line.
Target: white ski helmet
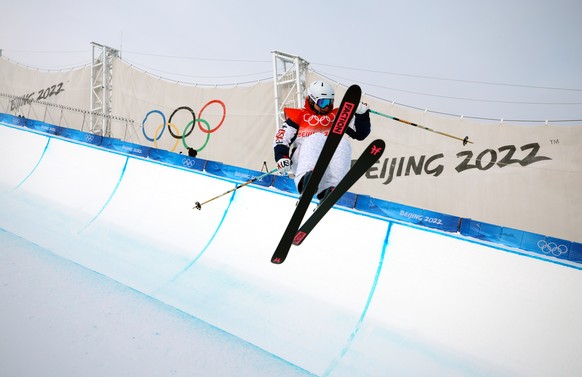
321	94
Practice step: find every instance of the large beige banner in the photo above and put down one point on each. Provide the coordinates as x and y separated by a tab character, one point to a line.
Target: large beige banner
524	177
233	124
70	88
519	176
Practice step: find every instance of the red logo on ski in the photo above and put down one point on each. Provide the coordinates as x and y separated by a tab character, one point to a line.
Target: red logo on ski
375	150
343	115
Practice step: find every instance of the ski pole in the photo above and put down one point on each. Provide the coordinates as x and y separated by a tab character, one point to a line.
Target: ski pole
199	205
465	140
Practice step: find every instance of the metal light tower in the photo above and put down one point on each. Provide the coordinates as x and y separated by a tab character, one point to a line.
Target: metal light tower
289	72
102	88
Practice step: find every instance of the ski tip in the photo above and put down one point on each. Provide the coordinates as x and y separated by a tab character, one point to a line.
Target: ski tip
299	237
277	260
376	145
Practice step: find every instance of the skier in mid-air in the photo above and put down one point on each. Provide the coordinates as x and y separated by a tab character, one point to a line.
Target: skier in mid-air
300	138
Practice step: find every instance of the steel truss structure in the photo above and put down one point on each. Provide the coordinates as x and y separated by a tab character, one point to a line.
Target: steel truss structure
289	72
101	88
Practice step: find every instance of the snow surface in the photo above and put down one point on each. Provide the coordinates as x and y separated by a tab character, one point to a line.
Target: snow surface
60	319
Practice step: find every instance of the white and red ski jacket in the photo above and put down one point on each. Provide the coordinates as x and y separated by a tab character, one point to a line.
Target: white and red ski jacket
301	123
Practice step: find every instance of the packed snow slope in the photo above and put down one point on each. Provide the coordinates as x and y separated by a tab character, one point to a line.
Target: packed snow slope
362	296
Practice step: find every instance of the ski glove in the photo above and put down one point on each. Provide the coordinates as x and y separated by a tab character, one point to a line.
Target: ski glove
362	108
284	165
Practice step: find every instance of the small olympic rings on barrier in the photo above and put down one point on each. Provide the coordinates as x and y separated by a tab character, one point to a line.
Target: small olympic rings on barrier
552	248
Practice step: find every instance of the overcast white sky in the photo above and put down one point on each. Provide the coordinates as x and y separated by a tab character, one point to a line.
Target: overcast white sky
510	59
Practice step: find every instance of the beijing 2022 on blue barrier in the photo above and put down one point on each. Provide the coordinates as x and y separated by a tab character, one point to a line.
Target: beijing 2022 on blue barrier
405	213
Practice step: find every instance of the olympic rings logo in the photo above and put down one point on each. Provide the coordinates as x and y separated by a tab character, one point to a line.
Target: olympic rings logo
552	248
188	129
187	162
314	120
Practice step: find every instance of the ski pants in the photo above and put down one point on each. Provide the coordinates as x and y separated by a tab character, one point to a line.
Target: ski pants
307	153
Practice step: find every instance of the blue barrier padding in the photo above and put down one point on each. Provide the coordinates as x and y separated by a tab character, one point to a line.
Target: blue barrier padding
480	230
348	200
511	237
284	183
409	214
43	127
537	243
176	159
13	119
576	252
125	147
84	137
550	246
239	174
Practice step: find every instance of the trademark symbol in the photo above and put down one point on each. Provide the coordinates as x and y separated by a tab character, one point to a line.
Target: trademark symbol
555	141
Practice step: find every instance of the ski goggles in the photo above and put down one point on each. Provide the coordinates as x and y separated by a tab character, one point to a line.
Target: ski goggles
322	103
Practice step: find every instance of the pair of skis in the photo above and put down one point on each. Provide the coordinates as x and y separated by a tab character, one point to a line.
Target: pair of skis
295	233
